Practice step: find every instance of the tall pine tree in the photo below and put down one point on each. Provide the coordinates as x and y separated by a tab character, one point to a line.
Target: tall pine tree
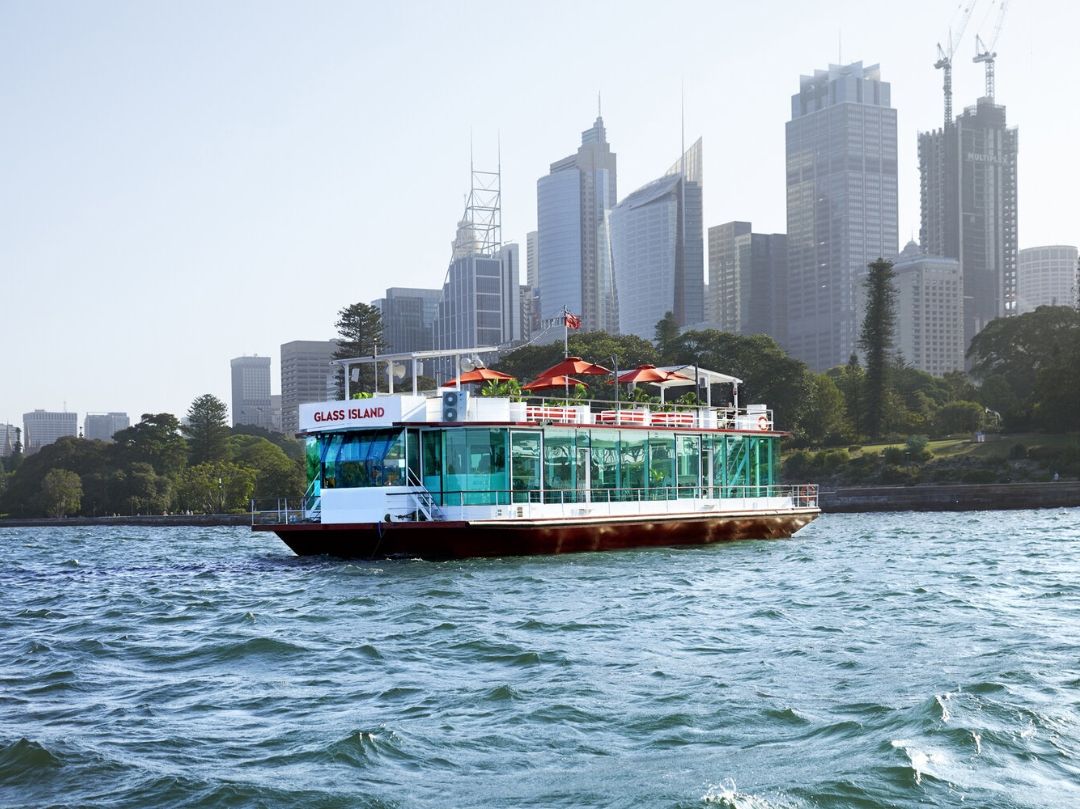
876	340
360	334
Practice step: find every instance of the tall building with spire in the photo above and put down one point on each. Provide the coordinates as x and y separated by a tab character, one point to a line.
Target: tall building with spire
968	201
573	246
659	251
841	206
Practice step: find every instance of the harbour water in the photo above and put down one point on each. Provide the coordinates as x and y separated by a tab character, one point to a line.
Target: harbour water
875	660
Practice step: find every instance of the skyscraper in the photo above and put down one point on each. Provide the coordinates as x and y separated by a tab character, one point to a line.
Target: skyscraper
573	246
968	196
658	250
306	376
8	436
480	303
929	311
532	258
408	316
103	426
841	205
748	280
43	427
1047	276
251	391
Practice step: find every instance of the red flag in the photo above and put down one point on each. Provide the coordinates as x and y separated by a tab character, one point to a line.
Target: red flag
572	321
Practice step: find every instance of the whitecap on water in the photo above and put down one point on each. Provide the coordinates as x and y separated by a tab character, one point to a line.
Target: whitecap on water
725	794
920	761
942	700
978	743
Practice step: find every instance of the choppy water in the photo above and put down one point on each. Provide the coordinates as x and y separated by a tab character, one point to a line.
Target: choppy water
873	661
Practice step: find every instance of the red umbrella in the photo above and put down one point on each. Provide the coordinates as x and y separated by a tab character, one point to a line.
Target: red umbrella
552	382
479	375
575	366
652	375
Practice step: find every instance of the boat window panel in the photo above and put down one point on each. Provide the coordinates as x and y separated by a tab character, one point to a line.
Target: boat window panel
559	462
329	447
632	463
736	466
488	478
661	464
605	463
688	464
525	466
431	441
412	453
362	460
456	458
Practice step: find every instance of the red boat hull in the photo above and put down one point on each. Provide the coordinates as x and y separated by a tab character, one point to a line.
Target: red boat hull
457	540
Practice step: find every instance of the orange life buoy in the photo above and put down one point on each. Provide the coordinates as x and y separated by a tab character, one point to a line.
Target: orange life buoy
763	422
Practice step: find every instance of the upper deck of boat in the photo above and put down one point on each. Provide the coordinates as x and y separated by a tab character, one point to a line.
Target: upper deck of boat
455	408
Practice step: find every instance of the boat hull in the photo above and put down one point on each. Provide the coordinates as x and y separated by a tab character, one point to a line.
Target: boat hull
457	540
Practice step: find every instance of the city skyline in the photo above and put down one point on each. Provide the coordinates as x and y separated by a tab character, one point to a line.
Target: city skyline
224	188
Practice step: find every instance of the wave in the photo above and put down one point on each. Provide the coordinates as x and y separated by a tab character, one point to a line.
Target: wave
23	761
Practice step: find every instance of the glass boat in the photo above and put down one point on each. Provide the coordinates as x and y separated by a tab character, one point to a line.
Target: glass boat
450	475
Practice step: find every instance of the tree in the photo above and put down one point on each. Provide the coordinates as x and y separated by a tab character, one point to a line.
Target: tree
876	339
24	494
207	430
276	474
360	334
216	487
667	332
155	440
850	379
1008	356
61	492
769	375
823	421
958	417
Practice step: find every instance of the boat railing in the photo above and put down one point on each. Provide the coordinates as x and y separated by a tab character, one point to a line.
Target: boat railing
601	412
283	511
664	498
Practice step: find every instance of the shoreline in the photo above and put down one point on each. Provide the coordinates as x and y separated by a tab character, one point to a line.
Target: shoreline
839	500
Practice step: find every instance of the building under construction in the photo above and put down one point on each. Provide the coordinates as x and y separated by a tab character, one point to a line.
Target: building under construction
968	195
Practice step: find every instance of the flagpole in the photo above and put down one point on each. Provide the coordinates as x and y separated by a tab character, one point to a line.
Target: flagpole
565	333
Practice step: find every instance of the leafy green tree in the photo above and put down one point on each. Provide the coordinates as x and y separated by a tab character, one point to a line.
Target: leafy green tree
1057	388
823	420
155	440
276	474
360	334
1008	355
23	496
293	448
769	375
851	380
958	417
505	388
207	430
876	339
61	492
667	332
215	487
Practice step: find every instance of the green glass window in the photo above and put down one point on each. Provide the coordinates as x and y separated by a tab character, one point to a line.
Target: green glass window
476	472
605	464
525	466
688	464
431	440
361	460
559	462
661	464
632	462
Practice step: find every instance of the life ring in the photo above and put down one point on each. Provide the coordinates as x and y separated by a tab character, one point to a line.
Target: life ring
763	422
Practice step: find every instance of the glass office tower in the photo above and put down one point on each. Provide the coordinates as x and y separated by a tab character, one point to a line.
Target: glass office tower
841	206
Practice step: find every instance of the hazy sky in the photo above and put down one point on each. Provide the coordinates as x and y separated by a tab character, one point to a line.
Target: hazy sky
186	182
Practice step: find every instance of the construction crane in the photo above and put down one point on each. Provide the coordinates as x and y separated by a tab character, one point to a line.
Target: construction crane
985	53
945	55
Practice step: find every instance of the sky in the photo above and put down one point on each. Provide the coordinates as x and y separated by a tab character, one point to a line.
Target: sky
183	183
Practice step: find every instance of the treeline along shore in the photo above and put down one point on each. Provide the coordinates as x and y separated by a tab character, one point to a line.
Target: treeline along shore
841	500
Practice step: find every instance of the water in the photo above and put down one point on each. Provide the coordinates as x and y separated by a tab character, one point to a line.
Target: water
873	661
